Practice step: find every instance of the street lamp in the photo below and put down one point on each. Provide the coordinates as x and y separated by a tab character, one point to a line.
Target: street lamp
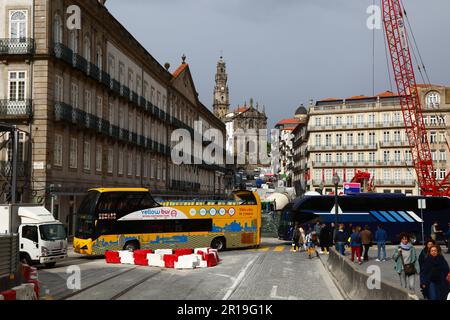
336	181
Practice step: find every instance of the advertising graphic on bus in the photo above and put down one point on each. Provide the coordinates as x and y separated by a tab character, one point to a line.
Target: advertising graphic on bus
116	219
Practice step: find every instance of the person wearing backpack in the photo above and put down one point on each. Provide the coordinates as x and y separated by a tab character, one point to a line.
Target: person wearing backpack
311	243
406	262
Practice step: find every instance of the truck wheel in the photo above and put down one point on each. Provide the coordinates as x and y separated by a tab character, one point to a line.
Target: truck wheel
25	259
131	246
50	264
219	244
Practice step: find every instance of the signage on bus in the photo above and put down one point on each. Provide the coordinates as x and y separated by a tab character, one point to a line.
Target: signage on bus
155	214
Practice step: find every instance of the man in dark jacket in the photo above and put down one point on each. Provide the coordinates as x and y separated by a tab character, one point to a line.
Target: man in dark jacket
366	240
325	239
340	238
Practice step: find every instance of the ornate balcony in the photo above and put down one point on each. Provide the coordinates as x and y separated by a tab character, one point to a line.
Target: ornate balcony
21	46
134	97
6	168
63	112
15	109
63	53
94	71
114	85
106	79
125	91
80	63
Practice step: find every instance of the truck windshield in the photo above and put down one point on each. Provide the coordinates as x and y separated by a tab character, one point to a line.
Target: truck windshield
51	232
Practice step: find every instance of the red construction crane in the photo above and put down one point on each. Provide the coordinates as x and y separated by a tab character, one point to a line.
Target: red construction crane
397	39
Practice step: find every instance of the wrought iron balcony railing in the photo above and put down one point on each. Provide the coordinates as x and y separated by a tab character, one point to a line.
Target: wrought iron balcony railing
10	46
6	168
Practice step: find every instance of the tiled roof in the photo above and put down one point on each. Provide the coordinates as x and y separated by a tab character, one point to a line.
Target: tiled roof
358	98
241	109
386	94
180	69
331	99
289	121
292	128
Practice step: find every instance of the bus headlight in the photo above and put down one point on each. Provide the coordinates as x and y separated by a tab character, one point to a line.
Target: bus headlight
44	251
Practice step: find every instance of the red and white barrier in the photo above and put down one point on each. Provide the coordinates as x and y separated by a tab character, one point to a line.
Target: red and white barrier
26	291
166	258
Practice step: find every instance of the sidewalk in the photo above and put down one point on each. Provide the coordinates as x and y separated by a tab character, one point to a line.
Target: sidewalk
388	273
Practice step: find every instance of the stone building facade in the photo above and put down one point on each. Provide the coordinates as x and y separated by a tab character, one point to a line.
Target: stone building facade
96	109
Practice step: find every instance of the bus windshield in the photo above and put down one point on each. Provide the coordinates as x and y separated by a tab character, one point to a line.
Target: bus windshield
99	210
86	215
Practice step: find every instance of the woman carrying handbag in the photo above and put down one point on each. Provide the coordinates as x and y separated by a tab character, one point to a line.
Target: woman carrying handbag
406	262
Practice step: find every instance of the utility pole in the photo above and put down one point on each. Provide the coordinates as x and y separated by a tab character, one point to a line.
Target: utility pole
14	165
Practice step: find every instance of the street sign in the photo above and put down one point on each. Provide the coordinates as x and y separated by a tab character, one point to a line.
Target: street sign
422	204
333	211
352	188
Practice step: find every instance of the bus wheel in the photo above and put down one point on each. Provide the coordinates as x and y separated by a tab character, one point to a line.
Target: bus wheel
131	246
219	244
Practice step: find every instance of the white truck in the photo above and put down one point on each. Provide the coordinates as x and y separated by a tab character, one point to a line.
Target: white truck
43	239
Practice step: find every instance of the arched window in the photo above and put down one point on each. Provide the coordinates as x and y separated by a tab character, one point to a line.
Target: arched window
73	41
433	99
18	24
99	57
87	48
57	29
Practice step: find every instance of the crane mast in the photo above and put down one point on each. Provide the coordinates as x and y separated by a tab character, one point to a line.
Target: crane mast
397	39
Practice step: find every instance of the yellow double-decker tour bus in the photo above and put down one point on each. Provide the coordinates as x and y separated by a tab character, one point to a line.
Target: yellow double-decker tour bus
130	219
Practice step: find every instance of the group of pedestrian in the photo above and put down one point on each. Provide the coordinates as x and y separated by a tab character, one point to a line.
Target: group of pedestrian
319	235
430	265
359	241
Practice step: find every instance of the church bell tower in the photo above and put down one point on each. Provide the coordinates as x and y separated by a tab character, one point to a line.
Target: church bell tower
221	94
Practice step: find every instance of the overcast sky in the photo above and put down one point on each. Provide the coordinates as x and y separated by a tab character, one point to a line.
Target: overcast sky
282	52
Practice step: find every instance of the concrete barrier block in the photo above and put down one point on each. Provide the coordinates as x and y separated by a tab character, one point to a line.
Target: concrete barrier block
205	250
25	292
185	264
203	264
354	282
126	257
155	260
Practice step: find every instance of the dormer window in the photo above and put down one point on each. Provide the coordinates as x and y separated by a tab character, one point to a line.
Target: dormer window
433	99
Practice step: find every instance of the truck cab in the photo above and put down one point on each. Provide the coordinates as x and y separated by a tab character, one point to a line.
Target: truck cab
43	239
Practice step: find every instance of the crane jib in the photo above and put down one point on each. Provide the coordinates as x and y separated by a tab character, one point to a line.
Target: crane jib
397	39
